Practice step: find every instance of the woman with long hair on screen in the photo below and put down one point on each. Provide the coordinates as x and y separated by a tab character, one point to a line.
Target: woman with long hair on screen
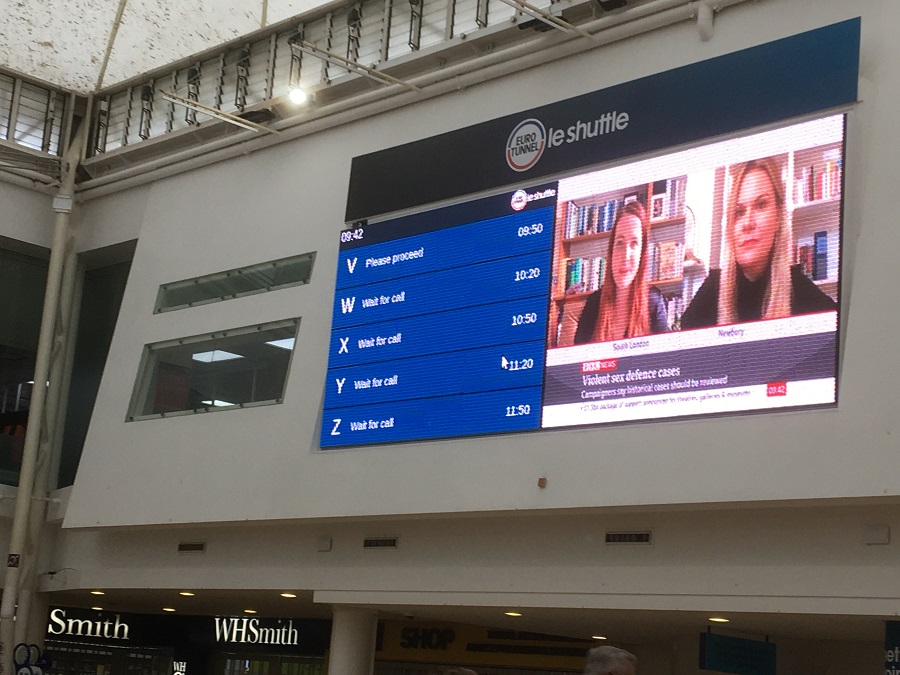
625	306
756	279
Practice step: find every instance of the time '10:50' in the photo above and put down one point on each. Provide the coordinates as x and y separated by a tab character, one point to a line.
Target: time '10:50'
522	319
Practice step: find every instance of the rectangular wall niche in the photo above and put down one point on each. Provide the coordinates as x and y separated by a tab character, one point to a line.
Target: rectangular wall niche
236	283
230	369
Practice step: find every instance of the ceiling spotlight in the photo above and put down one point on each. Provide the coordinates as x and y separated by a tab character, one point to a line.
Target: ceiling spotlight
719	619
598	637
97	593
609	5
97	609
297	96
168	609
288	595
249	611
187	594
513	613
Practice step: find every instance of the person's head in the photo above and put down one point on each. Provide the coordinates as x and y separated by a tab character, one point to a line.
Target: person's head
757	238
608	660
625	279
756	215
627	243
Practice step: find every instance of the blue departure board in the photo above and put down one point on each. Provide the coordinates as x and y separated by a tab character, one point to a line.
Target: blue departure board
439	322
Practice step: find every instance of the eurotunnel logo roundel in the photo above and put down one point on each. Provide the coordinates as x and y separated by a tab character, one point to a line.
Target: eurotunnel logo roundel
519	200
525	145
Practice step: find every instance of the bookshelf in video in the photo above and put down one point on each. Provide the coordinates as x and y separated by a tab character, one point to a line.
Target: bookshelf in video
583	231
728	299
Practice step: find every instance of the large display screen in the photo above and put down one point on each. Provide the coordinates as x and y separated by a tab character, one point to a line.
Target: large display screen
698	282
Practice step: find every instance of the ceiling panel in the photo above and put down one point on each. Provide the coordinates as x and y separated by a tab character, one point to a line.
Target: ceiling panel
279	10
64	42
57	41
154	33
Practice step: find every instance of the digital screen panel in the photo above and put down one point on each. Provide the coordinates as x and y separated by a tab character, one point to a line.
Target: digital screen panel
699	282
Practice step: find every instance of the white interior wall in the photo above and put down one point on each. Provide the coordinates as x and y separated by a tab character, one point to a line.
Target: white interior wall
109	221
26	215
743	563
262	463
787	560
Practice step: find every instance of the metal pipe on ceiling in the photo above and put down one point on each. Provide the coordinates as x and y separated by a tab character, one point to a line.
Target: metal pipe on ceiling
114	30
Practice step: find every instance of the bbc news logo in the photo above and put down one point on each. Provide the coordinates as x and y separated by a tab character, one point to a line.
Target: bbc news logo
525	145
599	366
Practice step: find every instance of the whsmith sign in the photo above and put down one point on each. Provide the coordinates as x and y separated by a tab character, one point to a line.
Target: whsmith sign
243	630
94	628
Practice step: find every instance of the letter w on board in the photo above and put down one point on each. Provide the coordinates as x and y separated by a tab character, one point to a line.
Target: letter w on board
347	304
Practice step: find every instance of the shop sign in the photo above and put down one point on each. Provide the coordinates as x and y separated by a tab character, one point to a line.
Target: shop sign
252	631
464	645
892	648
60	625
727	654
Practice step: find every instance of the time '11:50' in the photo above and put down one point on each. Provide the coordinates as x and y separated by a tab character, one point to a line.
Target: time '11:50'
518	410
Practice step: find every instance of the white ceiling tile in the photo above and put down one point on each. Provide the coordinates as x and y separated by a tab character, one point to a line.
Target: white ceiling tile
57	41
63	42
279	10
158	32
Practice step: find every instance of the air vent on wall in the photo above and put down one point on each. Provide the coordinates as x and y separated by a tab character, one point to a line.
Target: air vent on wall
628	537
380	542
192	547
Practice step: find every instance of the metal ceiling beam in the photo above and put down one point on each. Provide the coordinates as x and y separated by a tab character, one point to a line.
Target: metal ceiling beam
114	30
352	66
547	18
218	114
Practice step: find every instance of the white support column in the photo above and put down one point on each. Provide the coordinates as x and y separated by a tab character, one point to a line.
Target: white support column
352	641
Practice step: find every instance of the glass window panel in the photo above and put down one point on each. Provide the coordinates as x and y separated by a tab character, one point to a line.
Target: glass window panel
101	298
229	369
22	282
235	283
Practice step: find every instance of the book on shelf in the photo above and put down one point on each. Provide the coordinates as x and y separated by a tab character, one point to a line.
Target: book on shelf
584	275
674	310
590	218
805	258
818	182
820	256
665	260
676	189
812	256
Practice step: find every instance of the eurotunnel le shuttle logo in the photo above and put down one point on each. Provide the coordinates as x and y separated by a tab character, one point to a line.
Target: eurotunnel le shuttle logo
520	199
529	139
525	145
